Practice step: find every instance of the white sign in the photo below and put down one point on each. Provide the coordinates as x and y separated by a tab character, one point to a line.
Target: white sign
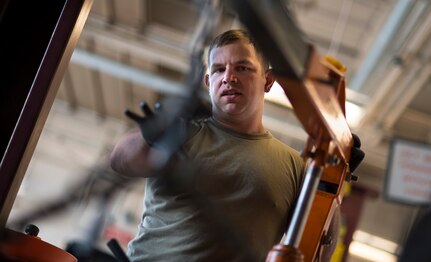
408	177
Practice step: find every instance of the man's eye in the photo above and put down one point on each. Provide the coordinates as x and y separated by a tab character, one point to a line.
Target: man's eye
243	68
218	70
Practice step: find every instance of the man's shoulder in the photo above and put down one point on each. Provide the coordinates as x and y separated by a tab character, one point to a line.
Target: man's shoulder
283	145
287	149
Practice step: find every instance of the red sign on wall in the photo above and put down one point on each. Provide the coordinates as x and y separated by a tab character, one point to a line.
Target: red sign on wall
408	177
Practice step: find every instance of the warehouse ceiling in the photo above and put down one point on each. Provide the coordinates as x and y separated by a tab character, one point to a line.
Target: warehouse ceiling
137	50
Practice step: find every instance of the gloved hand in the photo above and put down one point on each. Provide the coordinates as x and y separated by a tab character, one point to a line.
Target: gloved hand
151	125
356	154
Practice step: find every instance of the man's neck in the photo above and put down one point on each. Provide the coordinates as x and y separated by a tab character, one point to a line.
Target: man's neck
241	126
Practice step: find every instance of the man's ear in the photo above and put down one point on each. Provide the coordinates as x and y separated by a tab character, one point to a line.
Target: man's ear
207	81
269	76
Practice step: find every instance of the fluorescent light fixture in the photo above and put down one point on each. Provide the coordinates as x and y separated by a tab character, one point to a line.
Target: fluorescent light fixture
370	253
372	248
375	241
354	112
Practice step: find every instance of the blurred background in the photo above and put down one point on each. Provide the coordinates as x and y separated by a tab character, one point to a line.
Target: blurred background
137	50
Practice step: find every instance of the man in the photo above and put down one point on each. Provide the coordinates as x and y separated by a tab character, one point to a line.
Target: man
237	205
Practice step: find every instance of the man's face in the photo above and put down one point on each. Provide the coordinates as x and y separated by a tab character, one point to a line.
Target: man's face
237	82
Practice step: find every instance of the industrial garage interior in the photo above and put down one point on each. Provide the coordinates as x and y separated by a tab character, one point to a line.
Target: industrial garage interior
138	50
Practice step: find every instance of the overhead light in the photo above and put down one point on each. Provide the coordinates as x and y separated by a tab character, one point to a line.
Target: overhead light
354	112
370	253
372	247
375	241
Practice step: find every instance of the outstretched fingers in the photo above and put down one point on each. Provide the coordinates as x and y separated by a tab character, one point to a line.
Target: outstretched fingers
146	109
134	116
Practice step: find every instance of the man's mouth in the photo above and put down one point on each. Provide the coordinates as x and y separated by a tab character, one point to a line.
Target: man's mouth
231	93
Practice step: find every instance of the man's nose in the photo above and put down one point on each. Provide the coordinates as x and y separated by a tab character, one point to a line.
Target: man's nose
229	77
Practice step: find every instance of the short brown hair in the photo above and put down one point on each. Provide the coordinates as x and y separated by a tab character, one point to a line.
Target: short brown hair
237	35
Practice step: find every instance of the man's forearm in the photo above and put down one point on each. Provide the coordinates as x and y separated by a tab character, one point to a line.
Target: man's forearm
129	156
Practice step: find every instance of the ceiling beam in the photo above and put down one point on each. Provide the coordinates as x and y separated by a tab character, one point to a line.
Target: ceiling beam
145	14
414	81
401	77
111	11
169	54
126	72
381	44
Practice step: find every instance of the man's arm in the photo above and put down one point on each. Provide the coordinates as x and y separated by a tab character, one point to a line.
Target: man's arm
130	155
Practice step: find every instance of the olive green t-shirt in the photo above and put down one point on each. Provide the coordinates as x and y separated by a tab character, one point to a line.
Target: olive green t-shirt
234	203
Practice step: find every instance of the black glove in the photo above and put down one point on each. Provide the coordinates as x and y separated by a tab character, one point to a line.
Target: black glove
356	154
151	125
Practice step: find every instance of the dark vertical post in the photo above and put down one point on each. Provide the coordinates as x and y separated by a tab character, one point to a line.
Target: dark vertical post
37	41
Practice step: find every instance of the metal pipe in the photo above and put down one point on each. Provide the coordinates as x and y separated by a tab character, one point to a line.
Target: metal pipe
130	73
303	205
